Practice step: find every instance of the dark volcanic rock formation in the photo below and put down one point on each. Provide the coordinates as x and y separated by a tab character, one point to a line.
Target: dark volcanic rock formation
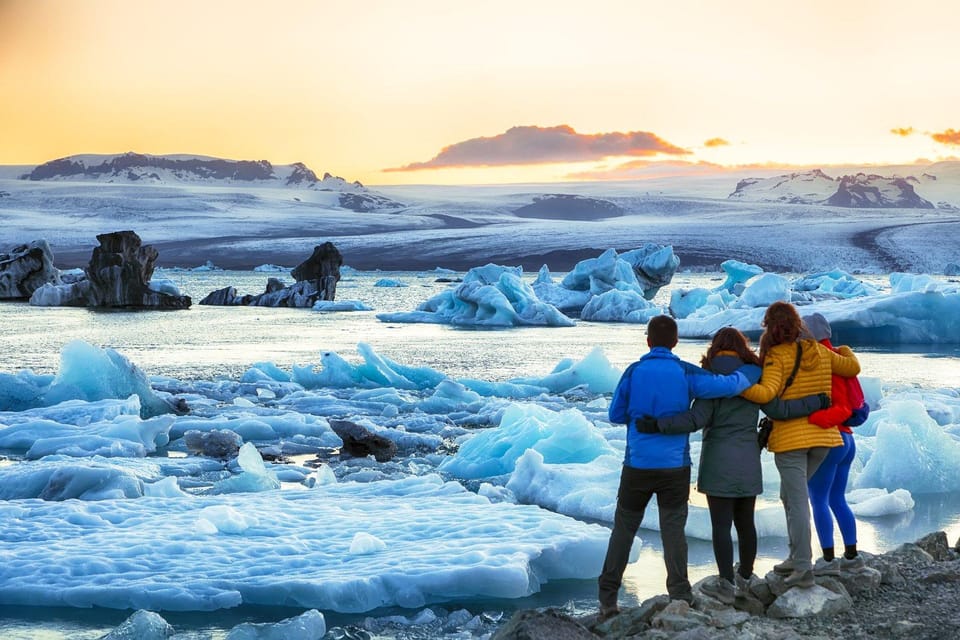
25	269
558	206
322	268
118	276
358	441
317	278
876	191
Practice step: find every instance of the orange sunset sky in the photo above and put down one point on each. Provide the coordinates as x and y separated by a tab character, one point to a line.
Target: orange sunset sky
424	91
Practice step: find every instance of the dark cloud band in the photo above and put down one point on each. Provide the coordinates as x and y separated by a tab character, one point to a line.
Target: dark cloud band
540	145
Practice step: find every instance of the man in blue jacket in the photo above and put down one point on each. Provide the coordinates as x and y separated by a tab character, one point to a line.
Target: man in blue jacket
658	385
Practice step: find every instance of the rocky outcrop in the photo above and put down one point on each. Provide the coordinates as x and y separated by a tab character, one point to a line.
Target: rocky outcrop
561	206
870	191
26	268
360	442
322	268
317	278
912	591
118	277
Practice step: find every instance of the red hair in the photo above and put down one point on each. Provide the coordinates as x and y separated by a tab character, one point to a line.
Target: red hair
782	324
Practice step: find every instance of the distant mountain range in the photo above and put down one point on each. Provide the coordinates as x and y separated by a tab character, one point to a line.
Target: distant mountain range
859	190
138	168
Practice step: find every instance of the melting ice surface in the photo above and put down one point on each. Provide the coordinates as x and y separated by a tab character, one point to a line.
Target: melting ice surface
491	495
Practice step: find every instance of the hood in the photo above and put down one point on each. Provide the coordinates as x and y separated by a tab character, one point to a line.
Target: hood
726	364
811	355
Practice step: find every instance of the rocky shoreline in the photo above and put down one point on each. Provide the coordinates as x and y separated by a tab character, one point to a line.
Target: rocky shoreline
910	592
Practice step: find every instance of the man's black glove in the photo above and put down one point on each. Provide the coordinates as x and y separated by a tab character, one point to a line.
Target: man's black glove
824	400
647	425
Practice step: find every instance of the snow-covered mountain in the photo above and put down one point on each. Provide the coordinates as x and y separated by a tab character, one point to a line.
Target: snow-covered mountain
860	190
144	169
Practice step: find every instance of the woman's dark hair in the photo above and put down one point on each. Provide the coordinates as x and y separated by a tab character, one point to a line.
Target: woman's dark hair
782	324
729	339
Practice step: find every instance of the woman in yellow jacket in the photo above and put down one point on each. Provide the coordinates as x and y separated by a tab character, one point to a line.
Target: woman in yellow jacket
798	446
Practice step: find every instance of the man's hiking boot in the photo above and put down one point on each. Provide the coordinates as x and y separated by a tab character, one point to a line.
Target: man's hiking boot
827	567
719	589
802	578
852	564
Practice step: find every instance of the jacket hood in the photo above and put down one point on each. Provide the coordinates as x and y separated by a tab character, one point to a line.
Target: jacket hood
726	364
811	355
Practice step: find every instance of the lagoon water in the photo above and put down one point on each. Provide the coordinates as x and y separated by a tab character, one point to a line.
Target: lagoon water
210	343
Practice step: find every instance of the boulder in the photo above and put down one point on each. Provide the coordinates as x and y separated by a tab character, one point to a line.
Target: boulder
218	443
322	268
632	620
936	545
804	603
679	616
360	442
118	276
25	269
548	624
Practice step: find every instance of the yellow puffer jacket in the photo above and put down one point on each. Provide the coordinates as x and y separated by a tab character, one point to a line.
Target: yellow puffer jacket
817	364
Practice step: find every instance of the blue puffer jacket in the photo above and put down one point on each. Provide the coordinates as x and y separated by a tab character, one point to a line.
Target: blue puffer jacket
658	385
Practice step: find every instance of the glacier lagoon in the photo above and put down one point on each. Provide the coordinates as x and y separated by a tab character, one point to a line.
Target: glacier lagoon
209	350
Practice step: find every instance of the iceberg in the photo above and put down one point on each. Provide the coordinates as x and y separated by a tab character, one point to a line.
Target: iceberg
209	552
490	296
737	275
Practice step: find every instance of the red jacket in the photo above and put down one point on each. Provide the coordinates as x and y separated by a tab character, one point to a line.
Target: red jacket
840	408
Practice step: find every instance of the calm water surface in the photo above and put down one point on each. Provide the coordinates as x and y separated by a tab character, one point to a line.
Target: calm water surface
222	342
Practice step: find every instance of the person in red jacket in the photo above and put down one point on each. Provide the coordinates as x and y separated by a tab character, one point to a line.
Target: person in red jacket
828	485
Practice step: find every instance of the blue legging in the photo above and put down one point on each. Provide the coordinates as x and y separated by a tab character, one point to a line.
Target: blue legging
827	488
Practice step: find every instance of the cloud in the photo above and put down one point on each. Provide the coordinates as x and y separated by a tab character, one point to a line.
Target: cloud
902	131
950	136
716	142
646	169
540	145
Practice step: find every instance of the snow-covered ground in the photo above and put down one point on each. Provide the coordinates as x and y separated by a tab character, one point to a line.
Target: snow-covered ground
245	225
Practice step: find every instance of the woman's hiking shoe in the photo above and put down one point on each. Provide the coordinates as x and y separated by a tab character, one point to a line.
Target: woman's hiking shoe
827	567
719	589
742	585
852	564
785	568
802	578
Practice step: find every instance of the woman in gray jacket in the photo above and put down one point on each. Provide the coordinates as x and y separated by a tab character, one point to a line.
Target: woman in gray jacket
730	473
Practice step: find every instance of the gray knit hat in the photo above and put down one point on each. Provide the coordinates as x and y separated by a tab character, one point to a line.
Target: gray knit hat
818	326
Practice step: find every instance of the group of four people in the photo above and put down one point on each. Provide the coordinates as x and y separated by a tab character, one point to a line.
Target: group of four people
797	379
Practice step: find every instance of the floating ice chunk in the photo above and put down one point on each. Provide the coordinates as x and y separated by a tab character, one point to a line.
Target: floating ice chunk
389	282
364	544
240	401
325	475
683	302
164	285
900	318
254	474
341	305
737	274
142	625
566	436
166	488
441	543
226	519
269	370
309	625
89	373
654	266
594	371
449	396
764	291
872	503
911	451
619	306
270	268
507	301
836	283
908	282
